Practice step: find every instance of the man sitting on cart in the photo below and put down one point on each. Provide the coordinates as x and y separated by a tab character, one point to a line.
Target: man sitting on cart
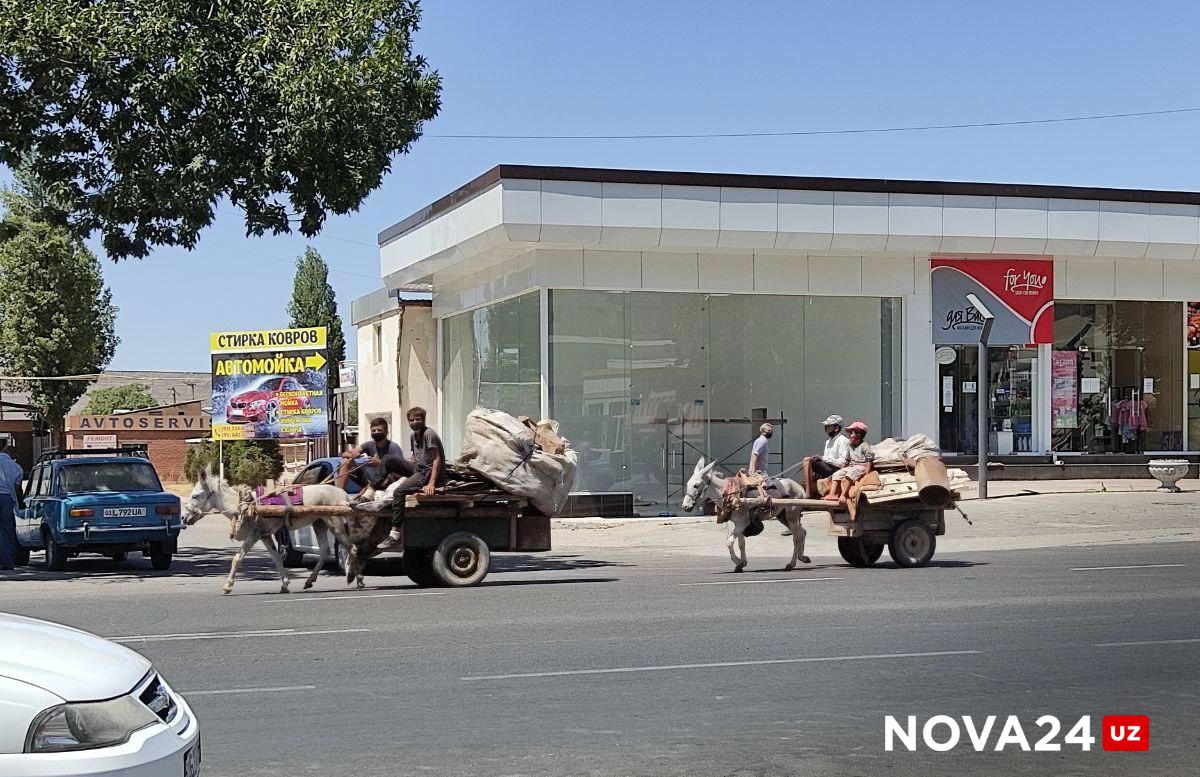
421	475
372	473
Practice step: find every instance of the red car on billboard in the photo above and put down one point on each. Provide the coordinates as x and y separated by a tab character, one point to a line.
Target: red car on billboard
266	401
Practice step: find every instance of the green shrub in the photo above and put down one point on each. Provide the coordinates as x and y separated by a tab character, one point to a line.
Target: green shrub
247	462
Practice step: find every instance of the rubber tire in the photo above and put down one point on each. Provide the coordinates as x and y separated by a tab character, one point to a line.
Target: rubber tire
120	557
919	539
292	558
22	556
461	560
159	559
418	565
341	557
56	555
859	552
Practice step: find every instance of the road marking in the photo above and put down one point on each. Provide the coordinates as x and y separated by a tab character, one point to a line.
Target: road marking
722	664
224	691
355	596
232	635
1148	642
1130	566
772	580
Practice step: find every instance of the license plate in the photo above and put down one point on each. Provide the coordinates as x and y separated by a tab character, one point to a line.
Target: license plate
234	411
191	761
124	512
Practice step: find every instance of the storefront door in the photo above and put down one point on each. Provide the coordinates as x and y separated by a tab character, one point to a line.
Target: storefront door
1012	389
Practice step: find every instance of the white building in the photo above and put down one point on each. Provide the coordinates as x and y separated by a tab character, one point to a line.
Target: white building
654	314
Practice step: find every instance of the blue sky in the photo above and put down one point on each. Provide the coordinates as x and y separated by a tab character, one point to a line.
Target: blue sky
680	67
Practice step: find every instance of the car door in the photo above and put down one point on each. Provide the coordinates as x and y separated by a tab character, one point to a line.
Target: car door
304	539
29	520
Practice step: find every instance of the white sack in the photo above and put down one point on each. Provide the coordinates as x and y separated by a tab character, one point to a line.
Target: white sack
892	451
502	449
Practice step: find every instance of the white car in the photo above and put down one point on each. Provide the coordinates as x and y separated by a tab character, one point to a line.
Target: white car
72	703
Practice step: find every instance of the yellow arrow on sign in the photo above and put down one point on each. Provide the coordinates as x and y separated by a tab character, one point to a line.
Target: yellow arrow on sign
314	362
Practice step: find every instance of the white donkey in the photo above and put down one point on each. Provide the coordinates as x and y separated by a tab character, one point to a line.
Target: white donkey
213	495
705	484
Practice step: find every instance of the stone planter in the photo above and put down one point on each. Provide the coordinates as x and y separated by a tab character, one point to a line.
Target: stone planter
1168	471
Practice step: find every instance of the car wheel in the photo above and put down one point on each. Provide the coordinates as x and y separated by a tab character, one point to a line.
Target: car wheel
160	559
22	556
272	412
461	560
56	555
292	558
341	557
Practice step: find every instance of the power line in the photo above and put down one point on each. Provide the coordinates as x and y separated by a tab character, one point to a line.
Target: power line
322	234
292	262
799	133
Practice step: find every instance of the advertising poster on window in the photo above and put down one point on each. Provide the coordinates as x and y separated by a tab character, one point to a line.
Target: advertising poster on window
269	384
1064	402
1019	292
1193	325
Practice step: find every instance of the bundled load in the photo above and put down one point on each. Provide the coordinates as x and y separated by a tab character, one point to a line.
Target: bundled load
909	468
520	457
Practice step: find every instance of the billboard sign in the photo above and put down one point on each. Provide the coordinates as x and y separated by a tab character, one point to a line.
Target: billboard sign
1018	291
269	384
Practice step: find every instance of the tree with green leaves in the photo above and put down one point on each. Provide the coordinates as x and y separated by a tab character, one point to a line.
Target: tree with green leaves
144	115
108	400
56	314
247	462
315	304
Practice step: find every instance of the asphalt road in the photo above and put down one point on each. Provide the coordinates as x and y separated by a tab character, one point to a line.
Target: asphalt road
631	664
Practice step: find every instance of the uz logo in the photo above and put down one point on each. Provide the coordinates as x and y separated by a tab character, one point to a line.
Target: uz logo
1126	732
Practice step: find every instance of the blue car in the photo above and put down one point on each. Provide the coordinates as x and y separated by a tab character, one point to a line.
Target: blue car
108	502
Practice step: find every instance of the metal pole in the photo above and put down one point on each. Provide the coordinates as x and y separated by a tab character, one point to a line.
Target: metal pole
981	390
221	458
981	399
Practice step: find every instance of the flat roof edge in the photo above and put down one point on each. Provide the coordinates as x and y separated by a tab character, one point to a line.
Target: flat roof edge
755	181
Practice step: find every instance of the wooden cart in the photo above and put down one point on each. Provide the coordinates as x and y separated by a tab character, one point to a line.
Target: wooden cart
906	526
449	538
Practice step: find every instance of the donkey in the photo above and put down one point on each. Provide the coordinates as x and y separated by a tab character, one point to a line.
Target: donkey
212	494
705	484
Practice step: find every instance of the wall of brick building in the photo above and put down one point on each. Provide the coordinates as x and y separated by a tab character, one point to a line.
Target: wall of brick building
167	449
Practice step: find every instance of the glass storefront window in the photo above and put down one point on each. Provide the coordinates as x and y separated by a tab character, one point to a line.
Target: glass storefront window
491	357
645	383
1117	370
1012	391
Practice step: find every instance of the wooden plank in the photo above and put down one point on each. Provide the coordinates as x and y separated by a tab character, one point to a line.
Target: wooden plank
807	504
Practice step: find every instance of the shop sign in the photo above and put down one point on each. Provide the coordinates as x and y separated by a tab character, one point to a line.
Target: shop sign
94	441
1018	291
269	384
1064	401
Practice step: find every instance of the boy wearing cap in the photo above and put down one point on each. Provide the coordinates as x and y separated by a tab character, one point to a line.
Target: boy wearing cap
862	461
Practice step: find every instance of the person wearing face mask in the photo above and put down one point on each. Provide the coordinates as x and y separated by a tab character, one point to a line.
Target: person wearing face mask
372	474
425	471
758	453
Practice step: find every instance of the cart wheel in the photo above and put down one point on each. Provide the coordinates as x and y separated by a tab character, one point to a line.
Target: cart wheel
418	565
462	559
859	552
912	543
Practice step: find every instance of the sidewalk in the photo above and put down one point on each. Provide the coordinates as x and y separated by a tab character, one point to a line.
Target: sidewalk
1016	515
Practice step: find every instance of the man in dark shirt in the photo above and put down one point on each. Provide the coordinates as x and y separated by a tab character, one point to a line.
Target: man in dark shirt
426	470
373	473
